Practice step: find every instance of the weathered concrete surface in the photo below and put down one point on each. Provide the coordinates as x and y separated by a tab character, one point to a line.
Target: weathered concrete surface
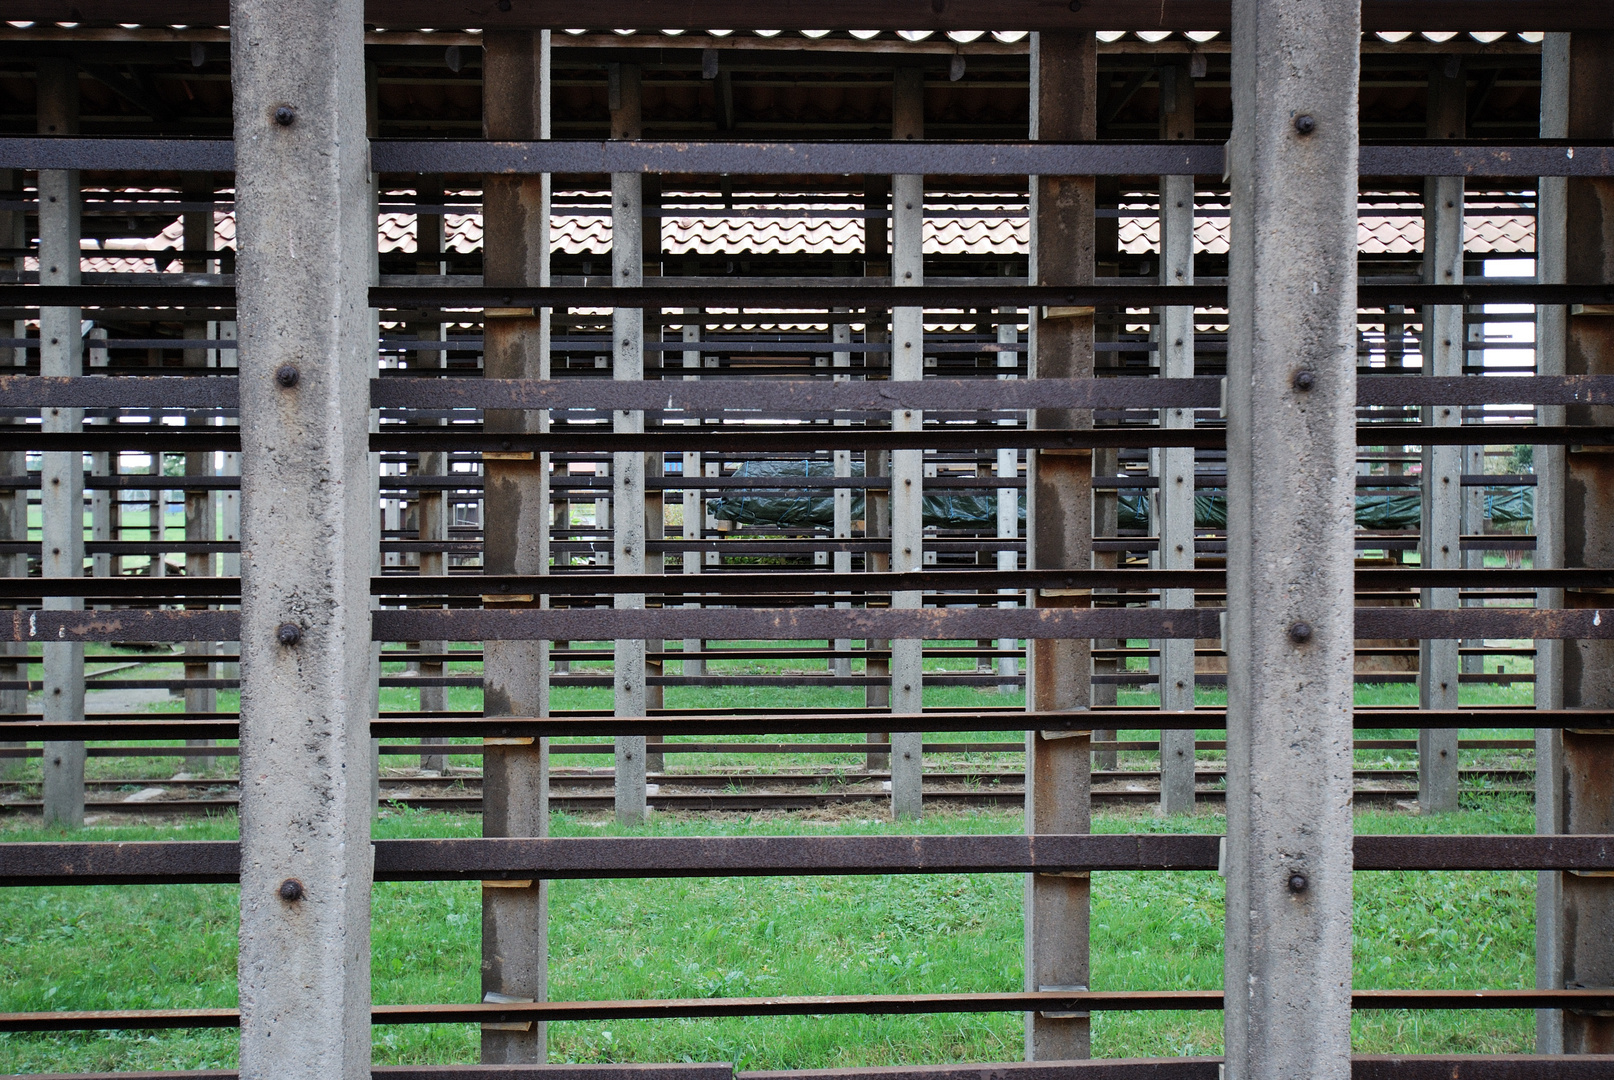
306	241
1292	295
628	471
61	500
1576	929
907	466
1059	534
515	778
1444	349
13	502
1174	465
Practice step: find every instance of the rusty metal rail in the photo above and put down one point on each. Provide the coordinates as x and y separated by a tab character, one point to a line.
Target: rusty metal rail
201	862
838	1005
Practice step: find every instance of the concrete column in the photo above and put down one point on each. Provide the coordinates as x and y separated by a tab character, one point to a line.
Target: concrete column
61	502
1175	464
1551	472
201	523
13	501
907	466
694	502
1007	467
877	501
102	564
431	505
306	241
1059	535
515	772
628	471
1575	793
1444	347
841	525
1291	396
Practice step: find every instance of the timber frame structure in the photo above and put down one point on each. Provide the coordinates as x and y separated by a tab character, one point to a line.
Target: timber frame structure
518	379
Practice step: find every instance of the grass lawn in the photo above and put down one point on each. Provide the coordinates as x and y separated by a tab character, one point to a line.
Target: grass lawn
174	947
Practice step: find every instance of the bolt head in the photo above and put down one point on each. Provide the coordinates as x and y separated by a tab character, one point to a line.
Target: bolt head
287	375
1300	632
1298	883
291	890
285	115
289	634
1304	380
1305	123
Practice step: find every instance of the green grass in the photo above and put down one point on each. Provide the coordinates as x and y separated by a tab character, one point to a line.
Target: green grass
174	947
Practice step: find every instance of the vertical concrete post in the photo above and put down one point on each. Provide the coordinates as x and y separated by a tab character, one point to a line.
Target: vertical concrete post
1059	535
61	500
694	500
1007	467
1551	472
907	466
1175	464
306	239
13	501
515	772
1291	397
1575	912
201	525
1444	348
840	333
431	504
628	469
877	463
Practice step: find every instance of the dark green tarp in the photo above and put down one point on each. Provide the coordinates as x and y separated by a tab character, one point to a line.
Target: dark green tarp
958	510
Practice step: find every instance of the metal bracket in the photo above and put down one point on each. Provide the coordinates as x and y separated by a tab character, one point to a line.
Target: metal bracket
1591	309
1599	1013
1071	312
491	998
1063	989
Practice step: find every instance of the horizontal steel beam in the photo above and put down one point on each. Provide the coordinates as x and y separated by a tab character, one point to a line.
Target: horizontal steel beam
1363	1067
847	1005
493	586
792	158
800	395
531	623
703	725
796	298
590	858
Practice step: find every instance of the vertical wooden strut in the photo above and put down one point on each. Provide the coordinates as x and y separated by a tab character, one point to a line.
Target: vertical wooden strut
1291	395
200	521
431	506
876	501
1575	768
515	779
628	471
306	236
1444	349
907	466
1059	535
1174	465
